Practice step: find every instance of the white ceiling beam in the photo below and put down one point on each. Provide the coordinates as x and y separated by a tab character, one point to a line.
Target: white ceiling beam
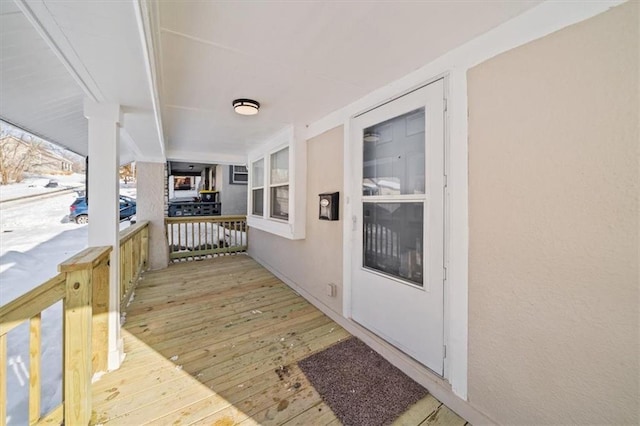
149	40
206	157
39	15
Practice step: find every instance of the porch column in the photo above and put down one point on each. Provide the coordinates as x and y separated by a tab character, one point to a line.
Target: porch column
150	206
104	207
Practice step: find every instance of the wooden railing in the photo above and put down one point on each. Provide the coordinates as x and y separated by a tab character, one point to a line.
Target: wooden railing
83	287
198	237
134	257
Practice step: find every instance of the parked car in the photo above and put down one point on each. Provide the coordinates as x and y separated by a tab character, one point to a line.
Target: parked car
79	211
51	184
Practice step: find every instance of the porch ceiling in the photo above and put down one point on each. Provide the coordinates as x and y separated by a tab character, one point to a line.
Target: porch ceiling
300	60
175	66
55	54
177	167
37	91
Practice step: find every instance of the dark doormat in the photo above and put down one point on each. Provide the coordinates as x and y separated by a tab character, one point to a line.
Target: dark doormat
360	386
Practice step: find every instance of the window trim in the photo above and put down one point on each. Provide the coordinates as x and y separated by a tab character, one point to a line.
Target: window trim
270	185
253	188
294	226
233	173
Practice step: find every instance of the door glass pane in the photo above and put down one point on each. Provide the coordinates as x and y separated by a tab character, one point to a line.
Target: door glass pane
394	156
257	170
280	202
393	239
280	167
258	202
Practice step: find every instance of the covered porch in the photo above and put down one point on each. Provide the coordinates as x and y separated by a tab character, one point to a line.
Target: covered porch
525	209
211	341
217	342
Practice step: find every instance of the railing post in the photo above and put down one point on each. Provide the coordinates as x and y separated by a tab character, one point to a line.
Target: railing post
86	311
77	348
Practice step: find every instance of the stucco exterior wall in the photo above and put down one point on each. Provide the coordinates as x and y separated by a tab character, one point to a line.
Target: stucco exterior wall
553	207
232	196
316	261
151	180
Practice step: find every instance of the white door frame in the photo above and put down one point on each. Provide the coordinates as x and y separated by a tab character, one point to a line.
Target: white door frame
422	306
455	225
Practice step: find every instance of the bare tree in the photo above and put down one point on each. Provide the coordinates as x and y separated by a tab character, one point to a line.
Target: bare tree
16	156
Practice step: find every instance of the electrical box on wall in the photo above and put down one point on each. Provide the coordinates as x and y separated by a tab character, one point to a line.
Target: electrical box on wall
331	290
329	206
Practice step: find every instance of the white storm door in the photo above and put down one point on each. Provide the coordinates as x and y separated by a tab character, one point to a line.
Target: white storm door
398	251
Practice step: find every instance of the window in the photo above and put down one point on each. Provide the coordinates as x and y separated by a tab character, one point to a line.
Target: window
183	183
279	185
257	188
276	198
239	175
393	192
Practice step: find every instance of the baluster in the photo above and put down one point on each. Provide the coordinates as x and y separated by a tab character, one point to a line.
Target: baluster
200	245
3	379
35	376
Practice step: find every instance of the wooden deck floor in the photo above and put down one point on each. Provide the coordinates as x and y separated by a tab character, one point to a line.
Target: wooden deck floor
203	343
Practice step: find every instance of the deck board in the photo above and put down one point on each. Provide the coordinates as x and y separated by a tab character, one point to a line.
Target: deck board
217	342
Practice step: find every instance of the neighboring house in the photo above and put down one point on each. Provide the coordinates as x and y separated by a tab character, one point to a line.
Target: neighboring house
228	182
31	157
231	181
485	155
50	163
183	187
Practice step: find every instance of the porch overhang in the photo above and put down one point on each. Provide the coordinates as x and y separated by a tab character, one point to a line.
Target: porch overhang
175	67
56	55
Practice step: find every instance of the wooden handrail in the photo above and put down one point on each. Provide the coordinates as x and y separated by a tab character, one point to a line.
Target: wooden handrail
196	237
74	285
130	232
26	306
82	284
87	258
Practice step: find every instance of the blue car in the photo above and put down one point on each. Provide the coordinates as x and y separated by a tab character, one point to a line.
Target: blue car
79	211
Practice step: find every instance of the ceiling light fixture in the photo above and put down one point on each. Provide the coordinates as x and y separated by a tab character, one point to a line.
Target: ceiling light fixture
246	106
191	167
371	137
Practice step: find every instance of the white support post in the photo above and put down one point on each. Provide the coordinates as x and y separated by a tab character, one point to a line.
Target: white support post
104	207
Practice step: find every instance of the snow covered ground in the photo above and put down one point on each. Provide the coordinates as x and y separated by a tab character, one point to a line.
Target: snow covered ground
34	185
35	236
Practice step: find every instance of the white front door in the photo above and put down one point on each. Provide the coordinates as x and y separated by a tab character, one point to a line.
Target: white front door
398	272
